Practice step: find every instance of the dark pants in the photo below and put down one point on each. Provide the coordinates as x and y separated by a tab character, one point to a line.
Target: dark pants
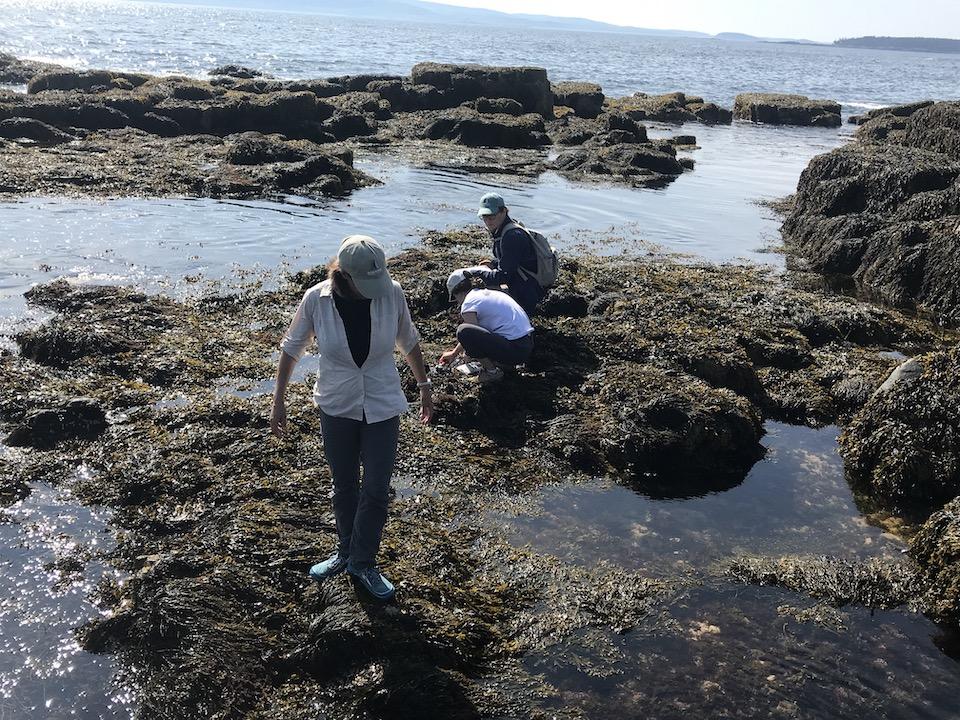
360	508
479	342
527	293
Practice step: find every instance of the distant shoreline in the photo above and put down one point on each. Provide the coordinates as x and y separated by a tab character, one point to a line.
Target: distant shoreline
907	44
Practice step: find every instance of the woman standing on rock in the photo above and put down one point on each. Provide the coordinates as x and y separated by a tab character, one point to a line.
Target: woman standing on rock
358	316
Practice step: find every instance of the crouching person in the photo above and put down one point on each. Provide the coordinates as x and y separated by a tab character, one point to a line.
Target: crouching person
494	329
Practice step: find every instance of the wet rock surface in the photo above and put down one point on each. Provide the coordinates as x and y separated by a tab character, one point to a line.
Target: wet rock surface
885	210
903	446
936	549
780	109
646	371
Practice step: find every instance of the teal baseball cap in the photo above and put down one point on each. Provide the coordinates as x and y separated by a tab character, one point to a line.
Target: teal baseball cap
491	204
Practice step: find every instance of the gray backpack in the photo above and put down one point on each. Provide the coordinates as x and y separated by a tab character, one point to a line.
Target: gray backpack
548	260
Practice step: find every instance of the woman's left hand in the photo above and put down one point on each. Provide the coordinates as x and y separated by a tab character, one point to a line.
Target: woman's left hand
426	405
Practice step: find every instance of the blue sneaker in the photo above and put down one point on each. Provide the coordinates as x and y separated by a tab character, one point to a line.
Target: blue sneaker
333	565
373	582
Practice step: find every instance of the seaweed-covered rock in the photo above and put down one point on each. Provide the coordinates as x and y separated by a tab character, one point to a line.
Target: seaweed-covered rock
903	447
936	548
672	108
469	127
585	99
780	109
75	418
639	164
406	97
671	435
501	106
887	213
527	85
84	81
237	71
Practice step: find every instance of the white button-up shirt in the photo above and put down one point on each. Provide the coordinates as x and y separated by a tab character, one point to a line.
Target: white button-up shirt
342	389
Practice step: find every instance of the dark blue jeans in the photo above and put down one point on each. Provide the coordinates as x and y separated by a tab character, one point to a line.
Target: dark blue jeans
360	508
479	343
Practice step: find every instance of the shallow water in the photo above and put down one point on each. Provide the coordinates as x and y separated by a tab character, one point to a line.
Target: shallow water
730	650
793	501
742	653
175	245
50	562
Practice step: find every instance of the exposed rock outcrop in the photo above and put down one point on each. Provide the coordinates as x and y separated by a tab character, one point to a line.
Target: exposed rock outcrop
473	128
886	210
585	99
780	109
527	85
14	71
903	447
672	108
936	548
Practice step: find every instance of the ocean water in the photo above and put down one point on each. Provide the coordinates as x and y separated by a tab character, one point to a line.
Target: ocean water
713	213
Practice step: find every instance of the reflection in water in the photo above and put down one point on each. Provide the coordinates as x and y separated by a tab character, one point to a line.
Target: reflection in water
795	500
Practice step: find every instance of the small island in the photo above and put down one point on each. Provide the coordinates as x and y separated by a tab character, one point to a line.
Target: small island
913	44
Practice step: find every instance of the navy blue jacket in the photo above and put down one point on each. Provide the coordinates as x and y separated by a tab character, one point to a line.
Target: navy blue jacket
511	251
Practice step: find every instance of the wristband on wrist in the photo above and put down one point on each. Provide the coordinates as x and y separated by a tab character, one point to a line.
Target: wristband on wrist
425	384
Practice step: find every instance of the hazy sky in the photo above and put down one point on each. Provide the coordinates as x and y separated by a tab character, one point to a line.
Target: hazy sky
810	19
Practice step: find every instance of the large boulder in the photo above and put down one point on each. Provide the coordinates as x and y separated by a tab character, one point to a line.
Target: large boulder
936	548
527	85
469	127
887	212
903	447
782	109
406	97
585	99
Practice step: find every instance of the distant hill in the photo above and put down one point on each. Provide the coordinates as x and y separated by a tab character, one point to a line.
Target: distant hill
743	37
915	44
431	12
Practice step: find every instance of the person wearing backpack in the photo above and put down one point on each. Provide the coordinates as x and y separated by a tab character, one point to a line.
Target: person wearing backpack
522	259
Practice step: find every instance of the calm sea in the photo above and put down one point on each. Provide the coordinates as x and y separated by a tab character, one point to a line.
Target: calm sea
712	213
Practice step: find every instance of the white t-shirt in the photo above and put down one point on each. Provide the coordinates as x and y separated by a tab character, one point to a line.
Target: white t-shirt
497	312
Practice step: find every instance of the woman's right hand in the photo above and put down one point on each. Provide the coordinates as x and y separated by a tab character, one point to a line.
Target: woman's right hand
447	357
278	419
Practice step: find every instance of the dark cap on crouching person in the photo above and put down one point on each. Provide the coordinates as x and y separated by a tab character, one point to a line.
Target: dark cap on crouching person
362	258
491	204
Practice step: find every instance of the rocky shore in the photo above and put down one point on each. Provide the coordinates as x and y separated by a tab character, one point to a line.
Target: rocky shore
72	132
652	372
884	211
